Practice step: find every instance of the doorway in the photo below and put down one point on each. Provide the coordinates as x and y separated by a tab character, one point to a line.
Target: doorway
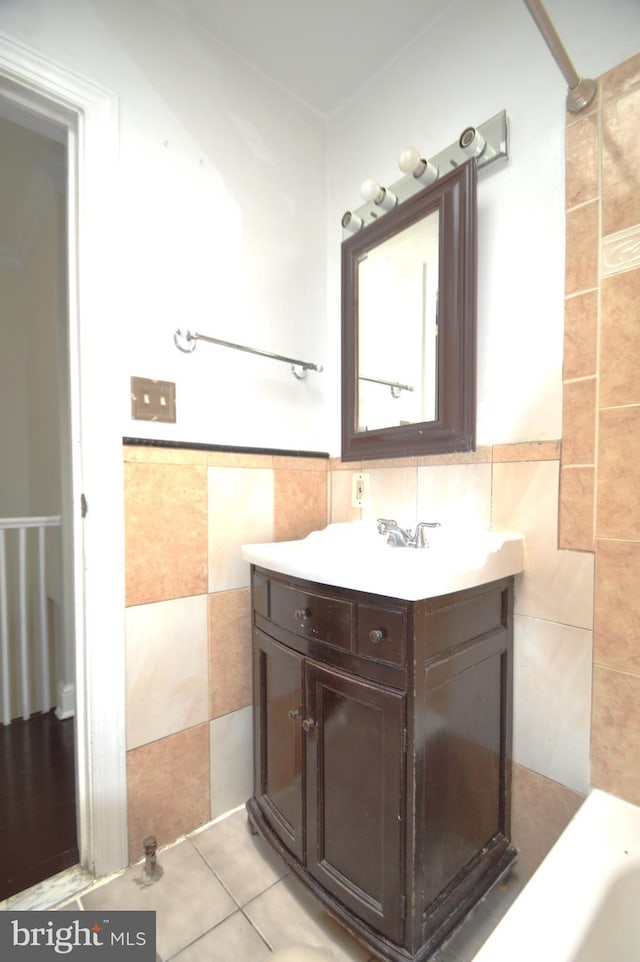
37	799
59	102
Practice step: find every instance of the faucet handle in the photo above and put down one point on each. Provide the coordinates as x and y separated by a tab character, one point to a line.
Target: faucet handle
420	535
385	525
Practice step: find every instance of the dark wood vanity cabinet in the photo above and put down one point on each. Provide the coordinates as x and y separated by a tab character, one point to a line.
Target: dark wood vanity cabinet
382	751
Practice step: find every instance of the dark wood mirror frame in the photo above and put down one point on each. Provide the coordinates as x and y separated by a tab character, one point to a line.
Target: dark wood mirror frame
454	196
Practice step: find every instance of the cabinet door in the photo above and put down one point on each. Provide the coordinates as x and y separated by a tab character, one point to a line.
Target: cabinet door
278	745
463	763
355	794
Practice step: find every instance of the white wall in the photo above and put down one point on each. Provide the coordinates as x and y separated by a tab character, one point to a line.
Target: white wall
222	205
41	279
14	457
30	296
478	59
30	366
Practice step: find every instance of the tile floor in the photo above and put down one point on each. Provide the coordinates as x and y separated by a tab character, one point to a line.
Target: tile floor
225	897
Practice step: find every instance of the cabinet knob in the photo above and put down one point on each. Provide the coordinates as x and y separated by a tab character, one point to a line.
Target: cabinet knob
308	724
301	614
377	635
293	713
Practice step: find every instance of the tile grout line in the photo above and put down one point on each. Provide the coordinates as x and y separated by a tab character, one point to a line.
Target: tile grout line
239	908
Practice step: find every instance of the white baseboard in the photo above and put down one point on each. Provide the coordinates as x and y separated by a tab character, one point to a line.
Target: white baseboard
66	706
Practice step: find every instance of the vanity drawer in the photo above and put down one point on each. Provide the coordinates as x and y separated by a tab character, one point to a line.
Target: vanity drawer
312	615
382	634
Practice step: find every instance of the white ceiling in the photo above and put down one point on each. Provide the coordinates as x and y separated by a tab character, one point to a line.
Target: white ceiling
322	51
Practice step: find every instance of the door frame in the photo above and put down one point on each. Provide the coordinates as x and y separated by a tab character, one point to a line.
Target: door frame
58	99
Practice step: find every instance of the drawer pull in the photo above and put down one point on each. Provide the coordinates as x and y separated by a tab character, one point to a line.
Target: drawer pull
308	724
293	713
301	614
377	635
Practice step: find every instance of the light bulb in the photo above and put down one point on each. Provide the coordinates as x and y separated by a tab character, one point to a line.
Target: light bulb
409	159
410	162
371	191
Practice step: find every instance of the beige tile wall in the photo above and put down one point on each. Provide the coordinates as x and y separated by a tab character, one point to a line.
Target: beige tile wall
188	639
541	810
600	491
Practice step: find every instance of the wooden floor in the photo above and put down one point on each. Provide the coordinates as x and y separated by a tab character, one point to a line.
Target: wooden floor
37	801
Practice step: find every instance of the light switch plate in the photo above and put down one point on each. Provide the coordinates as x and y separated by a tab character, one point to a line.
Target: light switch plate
153	400
360	490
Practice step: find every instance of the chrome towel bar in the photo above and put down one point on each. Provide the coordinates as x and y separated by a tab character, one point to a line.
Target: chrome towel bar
186	341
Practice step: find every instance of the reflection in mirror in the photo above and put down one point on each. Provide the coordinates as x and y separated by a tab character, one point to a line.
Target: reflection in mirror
408	325
398	328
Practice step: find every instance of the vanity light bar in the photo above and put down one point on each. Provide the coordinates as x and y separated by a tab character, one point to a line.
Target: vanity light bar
487	143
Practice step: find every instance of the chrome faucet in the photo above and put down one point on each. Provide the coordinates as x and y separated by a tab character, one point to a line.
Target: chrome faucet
399	537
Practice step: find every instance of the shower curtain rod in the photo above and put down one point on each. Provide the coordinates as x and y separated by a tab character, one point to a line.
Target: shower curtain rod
190	337
581	91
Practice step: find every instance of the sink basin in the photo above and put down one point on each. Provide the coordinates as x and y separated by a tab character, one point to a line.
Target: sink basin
353	555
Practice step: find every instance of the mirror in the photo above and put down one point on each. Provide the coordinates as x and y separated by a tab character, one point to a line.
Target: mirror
408	325
397	375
